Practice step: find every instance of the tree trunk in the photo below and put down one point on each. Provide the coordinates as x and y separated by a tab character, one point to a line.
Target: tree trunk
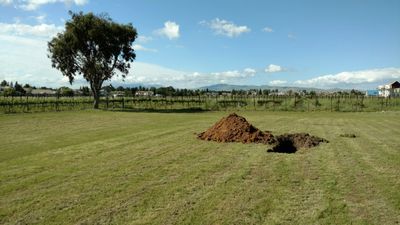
96	95
95	86
96	102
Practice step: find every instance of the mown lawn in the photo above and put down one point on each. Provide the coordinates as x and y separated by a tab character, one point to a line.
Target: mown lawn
148	168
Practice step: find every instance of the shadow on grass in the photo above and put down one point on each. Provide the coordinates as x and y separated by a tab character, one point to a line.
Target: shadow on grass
186	110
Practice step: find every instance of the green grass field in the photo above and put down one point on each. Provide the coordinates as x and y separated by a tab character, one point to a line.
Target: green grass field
104	167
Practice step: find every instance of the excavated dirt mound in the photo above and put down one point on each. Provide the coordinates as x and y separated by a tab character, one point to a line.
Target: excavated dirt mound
290	143
234	128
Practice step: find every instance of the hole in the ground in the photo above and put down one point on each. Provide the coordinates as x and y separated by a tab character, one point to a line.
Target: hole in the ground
348	135
284	146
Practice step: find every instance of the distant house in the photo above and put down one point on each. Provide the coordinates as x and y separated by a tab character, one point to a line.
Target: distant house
253	93
28	91
389	90
281	93
371	93
118	94
43	92
212	93
144	93
77	92
2	88
103	92
226	93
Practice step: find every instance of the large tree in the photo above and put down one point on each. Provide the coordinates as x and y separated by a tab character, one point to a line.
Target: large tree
93	46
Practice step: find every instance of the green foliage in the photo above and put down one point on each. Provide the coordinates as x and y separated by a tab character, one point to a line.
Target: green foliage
65	91
19	89
4	83
9	92
93	46
85	91
166	91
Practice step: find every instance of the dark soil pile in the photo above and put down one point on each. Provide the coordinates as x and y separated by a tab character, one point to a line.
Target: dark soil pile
348	135
234	128
290	143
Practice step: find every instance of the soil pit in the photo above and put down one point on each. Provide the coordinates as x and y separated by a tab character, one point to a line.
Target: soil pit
290	143
234	128
348	135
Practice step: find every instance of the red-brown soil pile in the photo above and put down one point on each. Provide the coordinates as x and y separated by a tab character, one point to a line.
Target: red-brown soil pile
234	128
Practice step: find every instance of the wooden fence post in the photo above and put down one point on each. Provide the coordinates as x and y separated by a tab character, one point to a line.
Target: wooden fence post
107	102
254	102
27	104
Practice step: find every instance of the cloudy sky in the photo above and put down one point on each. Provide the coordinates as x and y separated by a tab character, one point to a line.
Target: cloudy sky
310	43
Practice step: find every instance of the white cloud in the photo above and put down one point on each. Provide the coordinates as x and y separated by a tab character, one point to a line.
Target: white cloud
291	36
138	47
5	2
144	39
41	18
226	28
268	29
274	69
25	60
250	71
18	29
170	30
277	82
36	68
353	78
35	4
146	73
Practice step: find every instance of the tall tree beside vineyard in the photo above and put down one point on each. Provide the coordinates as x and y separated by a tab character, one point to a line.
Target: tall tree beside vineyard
93	46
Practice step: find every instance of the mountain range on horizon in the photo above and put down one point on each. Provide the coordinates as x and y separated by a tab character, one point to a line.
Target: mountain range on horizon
230	87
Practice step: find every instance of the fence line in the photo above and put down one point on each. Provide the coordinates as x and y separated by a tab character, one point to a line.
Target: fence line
267	103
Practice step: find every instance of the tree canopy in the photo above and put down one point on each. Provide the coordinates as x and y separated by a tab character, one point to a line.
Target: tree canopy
93	46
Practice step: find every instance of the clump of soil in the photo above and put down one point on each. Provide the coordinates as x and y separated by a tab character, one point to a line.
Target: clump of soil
234	128
290	143
348	135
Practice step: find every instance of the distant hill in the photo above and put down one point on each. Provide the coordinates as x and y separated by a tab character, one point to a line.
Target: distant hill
229	87
133	85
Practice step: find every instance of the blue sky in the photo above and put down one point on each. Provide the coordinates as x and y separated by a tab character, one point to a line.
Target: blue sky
341	43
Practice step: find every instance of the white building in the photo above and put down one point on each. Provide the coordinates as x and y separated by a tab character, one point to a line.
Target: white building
43	92
144	93
118	94
389	90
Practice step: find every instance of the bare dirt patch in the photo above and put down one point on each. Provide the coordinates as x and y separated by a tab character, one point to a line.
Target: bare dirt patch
234	128
348	135
290	143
